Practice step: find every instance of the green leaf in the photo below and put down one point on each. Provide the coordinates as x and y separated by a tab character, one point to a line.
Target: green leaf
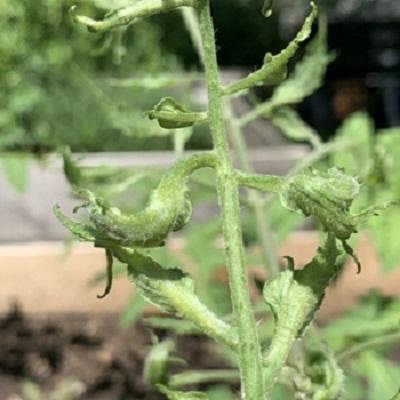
295	295
152	280
175	395
326	375
385	234
80	230
103	179
360	323
16	169
382	375
274	69
292	126
308	74
133	310
156	363
220	393
327	196
169	209
357	128
172	115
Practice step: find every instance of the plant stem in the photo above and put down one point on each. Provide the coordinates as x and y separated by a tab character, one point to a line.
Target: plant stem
264	231
207	376
374	342
249	352
278	352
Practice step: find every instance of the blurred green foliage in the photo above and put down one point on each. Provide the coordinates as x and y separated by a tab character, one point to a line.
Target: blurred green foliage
55	86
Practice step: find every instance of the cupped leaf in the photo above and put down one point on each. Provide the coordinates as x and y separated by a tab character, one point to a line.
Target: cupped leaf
172	115
295	295
274	69
169	209
153	280
80	230
308	74
327	196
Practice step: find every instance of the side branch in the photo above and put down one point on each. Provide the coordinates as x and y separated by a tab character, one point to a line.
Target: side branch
263	183
127	15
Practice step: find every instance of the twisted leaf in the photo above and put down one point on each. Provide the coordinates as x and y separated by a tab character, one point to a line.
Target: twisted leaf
274	69
129	14
169	209
308	74
295	295
327	196
152	280
172	115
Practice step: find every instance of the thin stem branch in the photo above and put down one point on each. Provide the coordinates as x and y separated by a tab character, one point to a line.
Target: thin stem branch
277	354
207	376
129	14
249	351
375	342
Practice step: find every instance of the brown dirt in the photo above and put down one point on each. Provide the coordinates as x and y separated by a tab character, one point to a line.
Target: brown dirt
92	350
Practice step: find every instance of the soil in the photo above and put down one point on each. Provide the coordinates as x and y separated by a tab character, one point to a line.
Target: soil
104	361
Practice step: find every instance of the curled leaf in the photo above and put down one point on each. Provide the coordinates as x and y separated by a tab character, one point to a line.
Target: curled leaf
327	196
129	14
295	295
153	280
172	115
109	275
274	69
169	209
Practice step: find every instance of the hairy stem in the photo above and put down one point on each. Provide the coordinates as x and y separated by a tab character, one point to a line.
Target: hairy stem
129	14
278	353
263	228
249	351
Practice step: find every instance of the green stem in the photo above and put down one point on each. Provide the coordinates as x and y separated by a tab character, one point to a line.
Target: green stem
249	351
129	14
263	183
278	352
208	376
358	348
263	228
